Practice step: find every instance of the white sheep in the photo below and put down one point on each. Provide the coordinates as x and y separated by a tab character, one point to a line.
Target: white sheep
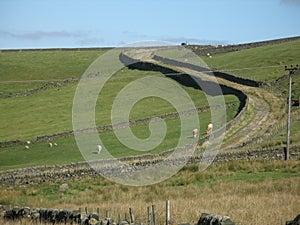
50	144
26	147
98	148
55	144
209	128
195	132
28	142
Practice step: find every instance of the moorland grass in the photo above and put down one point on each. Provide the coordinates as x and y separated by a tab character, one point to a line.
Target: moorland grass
254	193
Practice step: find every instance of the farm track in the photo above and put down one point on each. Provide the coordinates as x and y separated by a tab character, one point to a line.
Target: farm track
262	112
265	106
268	108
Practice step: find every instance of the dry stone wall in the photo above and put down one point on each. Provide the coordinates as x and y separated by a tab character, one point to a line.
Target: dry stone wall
110	127
207	71
41	174
205	49
51	84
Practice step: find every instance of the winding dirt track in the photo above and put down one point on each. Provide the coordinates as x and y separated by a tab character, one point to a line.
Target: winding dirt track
263	112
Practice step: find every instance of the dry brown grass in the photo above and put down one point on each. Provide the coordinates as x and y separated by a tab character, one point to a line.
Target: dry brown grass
250	193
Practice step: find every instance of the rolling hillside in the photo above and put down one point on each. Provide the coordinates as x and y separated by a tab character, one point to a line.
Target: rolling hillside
37	89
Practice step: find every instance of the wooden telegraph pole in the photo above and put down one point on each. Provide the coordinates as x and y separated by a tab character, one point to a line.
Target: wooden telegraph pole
292	70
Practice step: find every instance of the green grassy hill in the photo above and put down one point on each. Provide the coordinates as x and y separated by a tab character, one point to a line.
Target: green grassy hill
48	111
261	64
26	115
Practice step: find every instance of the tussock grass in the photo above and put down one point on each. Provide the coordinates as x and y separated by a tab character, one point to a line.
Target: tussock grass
257	192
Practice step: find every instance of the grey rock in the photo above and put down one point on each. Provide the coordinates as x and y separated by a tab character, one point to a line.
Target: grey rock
213	219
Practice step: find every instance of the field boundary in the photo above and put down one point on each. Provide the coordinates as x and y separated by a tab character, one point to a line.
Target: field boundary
131	123
209	49
46	86
207	71
42	174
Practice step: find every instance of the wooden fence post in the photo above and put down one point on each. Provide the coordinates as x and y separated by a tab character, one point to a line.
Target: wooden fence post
168	212
149	215
119	218
98	212
154	215
131	215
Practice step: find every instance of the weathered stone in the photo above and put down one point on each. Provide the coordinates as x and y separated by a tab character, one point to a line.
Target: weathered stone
123	223
213	219
296	221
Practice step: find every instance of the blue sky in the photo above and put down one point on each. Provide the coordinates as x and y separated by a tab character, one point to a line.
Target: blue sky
97	23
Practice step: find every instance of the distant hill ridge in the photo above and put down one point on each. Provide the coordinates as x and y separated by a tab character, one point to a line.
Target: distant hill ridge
198	49
205	49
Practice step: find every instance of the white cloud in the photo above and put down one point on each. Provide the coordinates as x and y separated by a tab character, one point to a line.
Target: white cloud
40	34
196	41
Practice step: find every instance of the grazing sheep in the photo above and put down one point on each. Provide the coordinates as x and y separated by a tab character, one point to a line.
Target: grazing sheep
50	145
209	128
28	142
55	144
26	147
195	132
99	148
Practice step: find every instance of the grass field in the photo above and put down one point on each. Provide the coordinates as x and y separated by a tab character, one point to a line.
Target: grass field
41	154
250	193
261	64
50	111
45	65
